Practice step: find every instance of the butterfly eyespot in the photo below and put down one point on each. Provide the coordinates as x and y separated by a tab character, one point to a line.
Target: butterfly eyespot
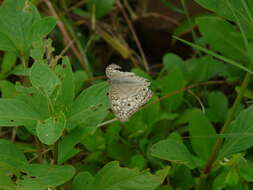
129	104
107	94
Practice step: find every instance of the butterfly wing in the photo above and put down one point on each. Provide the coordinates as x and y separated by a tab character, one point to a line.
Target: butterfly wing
128	92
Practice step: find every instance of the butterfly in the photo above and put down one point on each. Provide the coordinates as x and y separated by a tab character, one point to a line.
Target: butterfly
127	92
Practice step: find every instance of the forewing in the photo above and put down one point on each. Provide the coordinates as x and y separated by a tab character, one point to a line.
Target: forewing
127	99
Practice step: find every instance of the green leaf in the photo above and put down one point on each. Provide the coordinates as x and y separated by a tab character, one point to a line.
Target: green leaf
16	19
7	89
6	182
218	183
223	40
204	68
217	106
202	135
238	137
223	8
232	177
95	141
66	94
16	112
114	177
43	78
138	161
83	180
42	27
44	176
35	99
6	44
8	62
172	82
245	170
172	61
216	55
79	79
21	25
101	7
90	107
182	178
50	130
173	151
66	146
11	155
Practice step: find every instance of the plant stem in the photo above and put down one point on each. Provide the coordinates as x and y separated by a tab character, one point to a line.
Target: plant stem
209	164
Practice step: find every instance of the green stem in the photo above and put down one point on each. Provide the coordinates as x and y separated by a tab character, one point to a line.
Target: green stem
219	141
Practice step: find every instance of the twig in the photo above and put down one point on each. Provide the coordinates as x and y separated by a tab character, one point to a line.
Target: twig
66	48
13	135
156	15
184	89
107	122
144	59
198	99
66	37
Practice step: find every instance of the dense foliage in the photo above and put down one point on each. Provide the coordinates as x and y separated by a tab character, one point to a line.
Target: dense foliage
56	128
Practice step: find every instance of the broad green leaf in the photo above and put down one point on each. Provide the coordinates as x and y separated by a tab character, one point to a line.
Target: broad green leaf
232	177
66	146
217	106
182	178
16	19
172	61
239	134
245	170
66	94
83	180
172	82
100	7
6	44
21	25
15	112
6	182
240	186
42	27
113	133
218	183
90	107
79	79
43	78
95	141
216	55
114	177
138	161
243	9
223	40
163	173
35	98
204	68
202	135
50	130
11	155
44	176
8	62
173	151
7	89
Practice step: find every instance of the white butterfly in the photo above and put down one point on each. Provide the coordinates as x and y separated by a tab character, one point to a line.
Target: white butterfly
127	93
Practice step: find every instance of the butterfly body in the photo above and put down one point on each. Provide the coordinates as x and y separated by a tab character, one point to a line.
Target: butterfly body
127	93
